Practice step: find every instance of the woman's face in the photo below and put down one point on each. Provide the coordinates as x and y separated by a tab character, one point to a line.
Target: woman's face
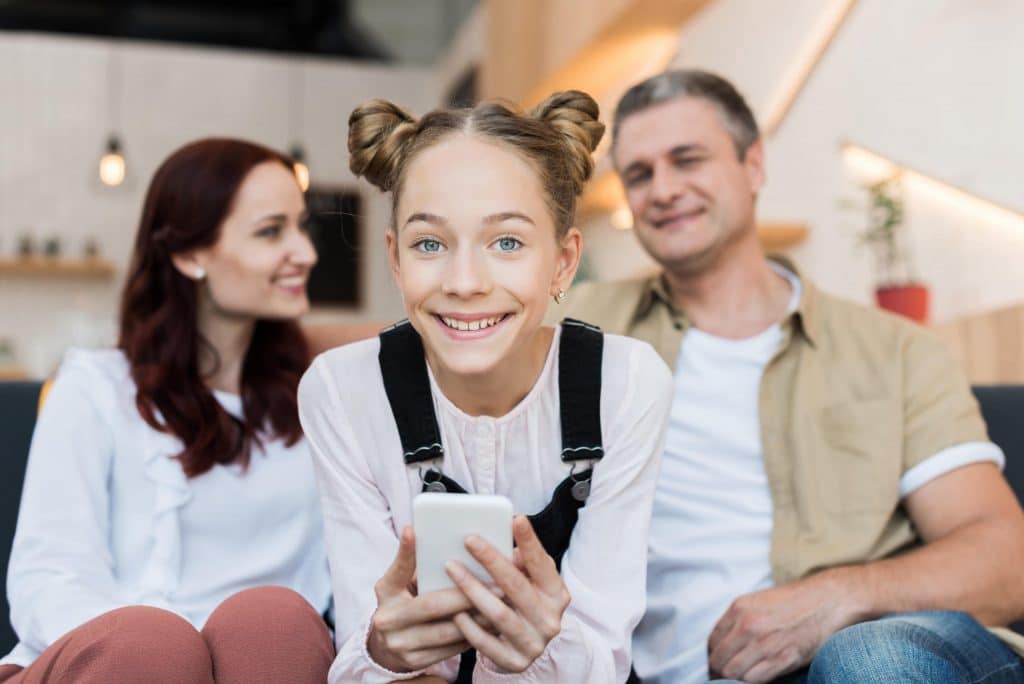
474	252
260	263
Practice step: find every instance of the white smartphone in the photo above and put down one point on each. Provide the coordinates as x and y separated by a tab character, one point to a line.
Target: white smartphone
443	521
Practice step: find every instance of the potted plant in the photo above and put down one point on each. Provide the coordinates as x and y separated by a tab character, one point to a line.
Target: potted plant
898	288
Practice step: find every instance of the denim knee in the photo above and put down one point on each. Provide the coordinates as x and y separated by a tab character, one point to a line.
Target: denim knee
939	646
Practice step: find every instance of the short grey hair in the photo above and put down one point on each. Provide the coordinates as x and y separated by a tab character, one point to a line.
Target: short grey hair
736	115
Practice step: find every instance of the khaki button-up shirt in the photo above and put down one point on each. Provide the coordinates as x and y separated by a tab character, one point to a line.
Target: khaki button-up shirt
853	399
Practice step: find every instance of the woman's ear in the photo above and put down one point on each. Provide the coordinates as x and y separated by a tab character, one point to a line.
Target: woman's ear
570	249
189	264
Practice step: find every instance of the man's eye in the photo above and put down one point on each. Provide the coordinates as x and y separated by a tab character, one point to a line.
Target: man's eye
636	178
428	245
508	244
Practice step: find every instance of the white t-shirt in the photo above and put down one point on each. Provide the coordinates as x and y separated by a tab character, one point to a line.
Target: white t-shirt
367	493
711	530
108	518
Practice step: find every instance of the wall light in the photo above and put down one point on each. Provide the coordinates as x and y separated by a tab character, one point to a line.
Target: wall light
112	166
874	166
622	218
300	168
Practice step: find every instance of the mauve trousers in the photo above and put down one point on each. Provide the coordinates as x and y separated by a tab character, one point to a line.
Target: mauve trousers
265	634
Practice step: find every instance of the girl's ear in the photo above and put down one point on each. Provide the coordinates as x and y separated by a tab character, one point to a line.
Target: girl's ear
570	249
391	244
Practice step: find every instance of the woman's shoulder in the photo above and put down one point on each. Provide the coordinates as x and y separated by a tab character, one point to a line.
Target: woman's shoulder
108	366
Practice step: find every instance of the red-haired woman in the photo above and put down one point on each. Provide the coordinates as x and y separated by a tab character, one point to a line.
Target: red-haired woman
169	528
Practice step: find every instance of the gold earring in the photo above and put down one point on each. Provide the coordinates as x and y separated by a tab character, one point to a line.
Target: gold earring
560	297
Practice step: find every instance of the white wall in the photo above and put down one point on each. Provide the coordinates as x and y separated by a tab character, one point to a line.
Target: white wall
934	84
55	120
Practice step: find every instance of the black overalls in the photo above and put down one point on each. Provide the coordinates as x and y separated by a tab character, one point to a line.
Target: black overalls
404	368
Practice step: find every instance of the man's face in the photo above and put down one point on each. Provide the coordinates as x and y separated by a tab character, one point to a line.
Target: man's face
690	194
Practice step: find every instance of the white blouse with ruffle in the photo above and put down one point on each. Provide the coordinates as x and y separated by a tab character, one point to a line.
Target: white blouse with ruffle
108	518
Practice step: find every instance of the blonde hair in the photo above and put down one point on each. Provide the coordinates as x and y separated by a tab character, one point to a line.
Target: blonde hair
557	137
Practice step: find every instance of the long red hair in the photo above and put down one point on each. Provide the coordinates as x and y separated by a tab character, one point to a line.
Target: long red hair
187	201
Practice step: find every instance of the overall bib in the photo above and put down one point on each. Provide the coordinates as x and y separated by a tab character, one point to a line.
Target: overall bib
404	369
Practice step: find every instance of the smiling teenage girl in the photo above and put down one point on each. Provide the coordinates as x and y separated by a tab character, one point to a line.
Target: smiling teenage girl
473	393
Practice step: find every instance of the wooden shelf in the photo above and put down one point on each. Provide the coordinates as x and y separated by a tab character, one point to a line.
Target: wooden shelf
780	236
12	373
42	267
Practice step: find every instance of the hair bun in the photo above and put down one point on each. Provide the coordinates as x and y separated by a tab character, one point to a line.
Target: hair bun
378	136
573	114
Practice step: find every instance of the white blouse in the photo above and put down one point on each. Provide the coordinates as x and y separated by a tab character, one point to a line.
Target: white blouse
108	518
367	494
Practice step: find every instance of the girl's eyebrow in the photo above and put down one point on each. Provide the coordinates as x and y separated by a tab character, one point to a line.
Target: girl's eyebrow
433	219
508	215
436	220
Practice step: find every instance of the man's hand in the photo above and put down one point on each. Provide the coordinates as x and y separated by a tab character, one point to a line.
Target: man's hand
771	632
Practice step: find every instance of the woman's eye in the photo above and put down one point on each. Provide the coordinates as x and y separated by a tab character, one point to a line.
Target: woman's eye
269	231
508	244
428	245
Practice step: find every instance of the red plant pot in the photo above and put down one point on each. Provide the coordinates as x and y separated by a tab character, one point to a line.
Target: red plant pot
907	300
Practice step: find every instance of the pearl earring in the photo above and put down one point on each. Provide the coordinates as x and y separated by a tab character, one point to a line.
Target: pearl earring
200	273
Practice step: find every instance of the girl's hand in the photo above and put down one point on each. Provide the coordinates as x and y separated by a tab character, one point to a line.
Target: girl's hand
535	599
409	632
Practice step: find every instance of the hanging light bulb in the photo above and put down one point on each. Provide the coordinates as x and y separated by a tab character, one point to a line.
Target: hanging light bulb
300	168
112	166
622	218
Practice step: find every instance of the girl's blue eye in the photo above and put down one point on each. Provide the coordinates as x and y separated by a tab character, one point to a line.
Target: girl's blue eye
508	244
428	245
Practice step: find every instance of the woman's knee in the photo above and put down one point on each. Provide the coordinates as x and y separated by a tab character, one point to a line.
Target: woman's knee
268	634
135	644
281	606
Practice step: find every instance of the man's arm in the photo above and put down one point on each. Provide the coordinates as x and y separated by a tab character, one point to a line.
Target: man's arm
973	529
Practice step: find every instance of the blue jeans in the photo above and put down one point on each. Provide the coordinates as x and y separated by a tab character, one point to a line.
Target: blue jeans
933	648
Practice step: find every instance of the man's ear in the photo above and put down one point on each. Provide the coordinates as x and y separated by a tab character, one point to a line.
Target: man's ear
570	249
753	164
189	264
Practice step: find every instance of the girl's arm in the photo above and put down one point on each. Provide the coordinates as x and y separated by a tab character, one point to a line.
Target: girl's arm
369	571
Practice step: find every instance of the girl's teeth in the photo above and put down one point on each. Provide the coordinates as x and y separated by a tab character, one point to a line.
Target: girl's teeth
469	325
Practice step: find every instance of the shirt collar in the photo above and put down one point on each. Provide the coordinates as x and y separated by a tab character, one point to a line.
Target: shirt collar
805	318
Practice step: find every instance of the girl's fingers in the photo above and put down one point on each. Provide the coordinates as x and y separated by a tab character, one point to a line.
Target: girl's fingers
501	652
506	620
430	607
419	660
397	577
536	561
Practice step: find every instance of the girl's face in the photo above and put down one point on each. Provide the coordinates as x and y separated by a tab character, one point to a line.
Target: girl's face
260	263
475	255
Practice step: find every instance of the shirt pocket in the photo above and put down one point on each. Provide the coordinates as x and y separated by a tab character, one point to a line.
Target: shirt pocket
862	456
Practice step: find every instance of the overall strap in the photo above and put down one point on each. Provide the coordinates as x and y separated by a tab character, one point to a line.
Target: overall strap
404	369
579	387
